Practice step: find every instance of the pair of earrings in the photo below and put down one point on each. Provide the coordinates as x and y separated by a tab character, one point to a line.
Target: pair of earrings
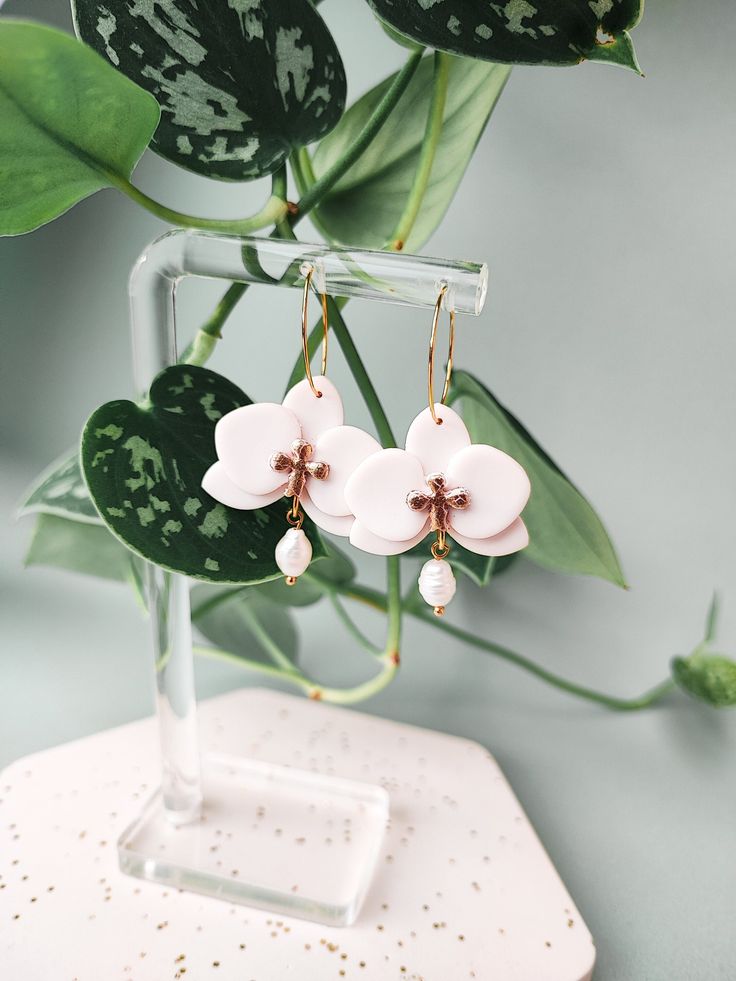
384	500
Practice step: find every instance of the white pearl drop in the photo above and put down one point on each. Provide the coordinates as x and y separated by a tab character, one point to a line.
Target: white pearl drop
437	582
293	553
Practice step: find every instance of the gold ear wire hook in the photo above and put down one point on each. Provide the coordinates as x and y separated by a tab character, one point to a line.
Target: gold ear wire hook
450	352
305	332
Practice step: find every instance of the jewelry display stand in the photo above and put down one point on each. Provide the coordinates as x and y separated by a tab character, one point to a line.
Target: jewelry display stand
264	809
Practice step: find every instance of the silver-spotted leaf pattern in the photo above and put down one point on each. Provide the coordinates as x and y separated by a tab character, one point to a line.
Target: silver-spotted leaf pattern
144	465
240	82
61	490
542	32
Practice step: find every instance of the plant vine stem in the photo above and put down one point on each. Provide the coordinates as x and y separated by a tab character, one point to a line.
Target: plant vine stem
430	141
309	199
271	213
378	117
378	601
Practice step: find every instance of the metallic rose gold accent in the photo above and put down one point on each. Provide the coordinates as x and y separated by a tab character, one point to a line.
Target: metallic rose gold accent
297	464
439	611
290	580
438	502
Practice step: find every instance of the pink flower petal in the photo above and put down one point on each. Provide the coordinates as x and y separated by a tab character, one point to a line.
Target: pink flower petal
247	438
218	485
376	494
511	539
498	487
344	448
335	524
436	445
315	415
363	538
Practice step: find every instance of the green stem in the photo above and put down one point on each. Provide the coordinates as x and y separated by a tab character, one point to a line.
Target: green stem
313	195
274	209
351	626
378	117
379	601
361	376
430	141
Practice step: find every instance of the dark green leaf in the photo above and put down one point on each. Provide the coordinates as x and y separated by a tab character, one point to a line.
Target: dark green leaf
69	125
364	206
238	621
61	490
565	532
241	83
144	465
546	32
79	546
709	677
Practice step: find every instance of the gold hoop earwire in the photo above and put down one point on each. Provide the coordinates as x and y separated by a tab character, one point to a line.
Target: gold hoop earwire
305	332
450	352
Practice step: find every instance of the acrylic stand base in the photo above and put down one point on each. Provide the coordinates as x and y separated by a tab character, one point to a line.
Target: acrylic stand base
282	839
462	890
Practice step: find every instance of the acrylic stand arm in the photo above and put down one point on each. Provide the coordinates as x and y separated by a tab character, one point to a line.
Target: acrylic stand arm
380	276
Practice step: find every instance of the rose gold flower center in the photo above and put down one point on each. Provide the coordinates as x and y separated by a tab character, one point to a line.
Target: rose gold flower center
439	502
299	466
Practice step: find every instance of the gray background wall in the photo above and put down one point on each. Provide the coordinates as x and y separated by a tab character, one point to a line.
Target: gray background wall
604	205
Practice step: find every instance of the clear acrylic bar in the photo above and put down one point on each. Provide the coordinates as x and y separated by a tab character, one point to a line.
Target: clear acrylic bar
166	843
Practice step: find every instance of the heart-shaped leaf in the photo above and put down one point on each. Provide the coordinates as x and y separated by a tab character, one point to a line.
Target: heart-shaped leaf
545	32
144	465
244	623
79	546
365	204
61	490
240	82
709	677
69	125
565	533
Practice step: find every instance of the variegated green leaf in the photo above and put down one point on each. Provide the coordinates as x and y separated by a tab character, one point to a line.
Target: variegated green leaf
69	125
363	207
240	82
61	490
542	32
565	533
144	465
79	546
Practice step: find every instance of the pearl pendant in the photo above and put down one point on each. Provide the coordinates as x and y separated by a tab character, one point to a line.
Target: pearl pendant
293	554
437	584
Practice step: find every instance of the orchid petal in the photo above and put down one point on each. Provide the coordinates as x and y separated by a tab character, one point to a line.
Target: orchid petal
218	485
247	438
436	444
363	538
498	487
316	415
343	448
511	539
335	524
376	494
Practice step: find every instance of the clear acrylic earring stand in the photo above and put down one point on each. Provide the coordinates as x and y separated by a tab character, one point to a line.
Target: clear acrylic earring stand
276	847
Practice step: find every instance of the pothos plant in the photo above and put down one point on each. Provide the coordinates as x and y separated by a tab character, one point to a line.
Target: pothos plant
239	90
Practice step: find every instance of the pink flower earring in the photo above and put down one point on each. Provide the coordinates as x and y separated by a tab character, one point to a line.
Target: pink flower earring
441	483
299	449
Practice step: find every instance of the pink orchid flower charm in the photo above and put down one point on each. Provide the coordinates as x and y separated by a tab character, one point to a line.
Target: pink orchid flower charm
441	482
300	449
